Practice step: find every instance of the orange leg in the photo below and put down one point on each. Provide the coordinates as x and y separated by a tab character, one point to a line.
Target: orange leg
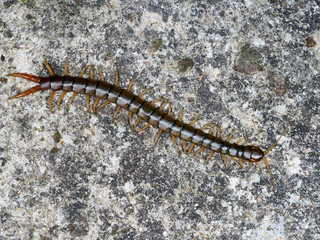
133	126
169	112
75	94
60	99
50	99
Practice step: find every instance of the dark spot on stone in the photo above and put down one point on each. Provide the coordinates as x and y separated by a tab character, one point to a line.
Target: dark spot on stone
156	44
310	42
54	150
70	35
29	16
3	80
8	34
57	137
3	162
2	58
185	63
281	89
9	3
249	61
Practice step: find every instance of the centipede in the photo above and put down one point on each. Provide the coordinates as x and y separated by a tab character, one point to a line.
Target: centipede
239	151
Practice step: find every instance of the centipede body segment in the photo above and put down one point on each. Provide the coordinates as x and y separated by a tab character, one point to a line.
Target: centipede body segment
154	116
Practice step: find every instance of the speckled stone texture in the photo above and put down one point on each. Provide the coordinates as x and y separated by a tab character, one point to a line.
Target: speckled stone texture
252	66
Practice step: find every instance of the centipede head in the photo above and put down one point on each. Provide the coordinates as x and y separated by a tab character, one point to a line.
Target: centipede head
256	154
29	77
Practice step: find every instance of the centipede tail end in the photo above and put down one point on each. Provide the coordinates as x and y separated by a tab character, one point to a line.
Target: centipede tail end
29	77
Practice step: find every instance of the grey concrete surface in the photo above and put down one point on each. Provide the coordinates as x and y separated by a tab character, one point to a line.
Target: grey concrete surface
251	66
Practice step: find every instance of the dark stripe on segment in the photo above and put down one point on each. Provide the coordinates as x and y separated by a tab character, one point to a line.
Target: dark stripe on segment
103	89
145	110
177	128
216	144
198	137
125	98
207	141
240	151
187	132
95	89
114	93
233	149
135	104
155	117
45	83
247	152
56	82
85	86
166	122
90	87
79	84
225	148
67	83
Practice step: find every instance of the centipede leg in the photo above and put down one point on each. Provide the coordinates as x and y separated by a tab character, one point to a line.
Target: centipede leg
51	72
60	99
193	144
50	100
218	135
131	83
203	128
210	155
175	143
133	126
75	94
224	159
230	136
71	99
169	112
107	102
63	92
102	105
98	99
149	124
242	139
118	108
240	164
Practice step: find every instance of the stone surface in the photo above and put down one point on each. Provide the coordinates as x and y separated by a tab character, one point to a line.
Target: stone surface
73	175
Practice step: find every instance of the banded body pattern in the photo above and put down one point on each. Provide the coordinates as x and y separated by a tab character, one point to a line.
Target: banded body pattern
144	110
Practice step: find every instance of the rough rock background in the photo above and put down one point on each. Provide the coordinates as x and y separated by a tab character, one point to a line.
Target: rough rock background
252	66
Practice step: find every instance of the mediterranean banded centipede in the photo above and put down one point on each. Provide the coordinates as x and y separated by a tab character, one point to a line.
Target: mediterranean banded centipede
144	110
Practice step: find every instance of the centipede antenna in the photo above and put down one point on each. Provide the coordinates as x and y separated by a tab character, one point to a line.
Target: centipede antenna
267	151
275	143
66	67
271	177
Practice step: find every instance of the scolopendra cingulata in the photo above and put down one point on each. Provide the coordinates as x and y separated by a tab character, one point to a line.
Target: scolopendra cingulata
155	116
